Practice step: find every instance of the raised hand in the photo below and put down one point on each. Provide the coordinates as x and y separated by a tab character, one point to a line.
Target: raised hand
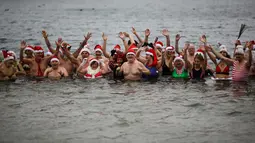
44	34
177	37
89	35
58	43
238	42
165	32
133	30
249	45
126	34
23	45
60	40
122	36
203	38
147	32
104	37
208	48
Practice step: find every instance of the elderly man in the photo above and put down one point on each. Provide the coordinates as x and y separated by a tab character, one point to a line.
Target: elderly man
133	69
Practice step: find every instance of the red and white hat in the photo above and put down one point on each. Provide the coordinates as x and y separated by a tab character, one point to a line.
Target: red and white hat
239	49
200	52
170	48
12	53
178	58
54	58
8	56
98	48
153	54
117	47
38	49
131	52
29	48
223	48
159	44
133	46
86	49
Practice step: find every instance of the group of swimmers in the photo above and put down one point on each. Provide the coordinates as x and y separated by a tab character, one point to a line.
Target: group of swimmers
129	63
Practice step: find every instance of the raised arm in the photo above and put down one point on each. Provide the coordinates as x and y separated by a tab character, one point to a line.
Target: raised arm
229	61
83	43
22	48
122	37
106	54
211	55
139	58
45	36
165	32
177	38
147	34
249	62
68	54
187	63
137	36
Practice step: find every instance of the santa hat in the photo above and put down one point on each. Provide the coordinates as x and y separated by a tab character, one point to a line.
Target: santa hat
93	60
159	44
131	52
200	52
86	49
133	46
29	48
98	48
153	54
178	58
7	56
170	48
117	47
38	49
12	53
239	49
54	58
223	48
48	53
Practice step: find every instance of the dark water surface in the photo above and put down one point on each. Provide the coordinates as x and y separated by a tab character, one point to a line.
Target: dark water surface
105	111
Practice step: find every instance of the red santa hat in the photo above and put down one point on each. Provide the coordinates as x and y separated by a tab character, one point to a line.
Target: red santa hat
131	52
200	52
170	48
153	54
12	53
54	58
117	47
29	48
98	48
38	49
159	44
133	46
8	56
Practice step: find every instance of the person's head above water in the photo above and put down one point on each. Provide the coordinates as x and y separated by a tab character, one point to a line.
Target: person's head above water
98	50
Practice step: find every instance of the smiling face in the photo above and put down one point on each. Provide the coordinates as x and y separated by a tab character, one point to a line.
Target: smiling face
29	53
98	53
224	53
239	56
178	64
94	65
130	58
85	54
54	64
9	63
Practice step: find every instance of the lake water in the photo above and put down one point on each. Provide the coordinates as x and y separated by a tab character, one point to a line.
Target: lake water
105	111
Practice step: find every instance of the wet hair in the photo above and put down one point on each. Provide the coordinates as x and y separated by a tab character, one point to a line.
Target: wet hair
199	57
94	62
